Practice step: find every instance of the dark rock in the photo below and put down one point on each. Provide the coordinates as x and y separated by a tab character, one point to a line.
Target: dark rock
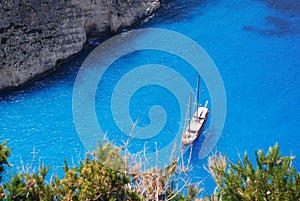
36	34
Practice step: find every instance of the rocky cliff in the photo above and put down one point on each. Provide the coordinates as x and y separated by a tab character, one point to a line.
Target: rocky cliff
36	34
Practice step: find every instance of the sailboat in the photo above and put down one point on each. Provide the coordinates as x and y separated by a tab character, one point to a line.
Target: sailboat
197	121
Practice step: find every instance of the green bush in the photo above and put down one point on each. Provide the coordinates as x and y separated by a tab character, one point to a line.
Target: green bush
273	178
90	180
4	154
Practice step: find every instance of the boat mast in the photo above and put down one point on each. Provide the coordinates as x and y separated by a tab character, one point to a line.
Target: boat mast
198	93
206	103
190	106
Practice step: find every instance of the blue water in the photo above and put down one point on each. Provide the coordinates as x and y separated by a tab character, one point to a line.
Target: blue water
255	46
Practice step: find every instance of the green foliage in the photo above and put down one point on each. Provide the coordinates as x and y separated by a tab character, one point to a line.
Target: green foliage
29	186
110	156
274	178
92	180
4	154
89	181
99	179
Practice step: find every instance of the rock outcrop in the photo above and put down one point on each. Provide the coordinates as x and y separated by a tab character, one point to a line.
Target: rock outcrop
36	34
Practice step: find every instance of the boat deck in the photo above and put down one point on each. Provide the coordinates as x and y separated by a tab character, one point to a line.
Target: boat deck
195	125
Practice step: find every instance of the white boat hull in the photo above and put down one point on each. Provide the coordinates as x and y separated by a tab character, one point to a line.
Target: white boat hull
195	126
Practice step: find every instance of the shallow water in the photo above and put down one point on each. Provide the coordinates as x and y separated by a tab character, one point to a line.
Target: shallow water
255	46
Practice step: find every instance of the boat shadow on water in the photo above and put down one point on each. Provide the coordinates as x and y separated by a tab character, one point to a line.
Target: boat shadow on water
202	143
199	145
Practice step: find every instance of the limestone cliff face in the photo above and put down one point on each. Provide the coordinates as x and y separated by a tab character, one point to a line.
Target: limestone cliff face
35	34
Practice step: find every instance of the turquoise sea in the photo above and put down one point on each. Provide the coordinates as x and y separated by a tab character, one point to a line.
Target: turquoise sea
255	45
